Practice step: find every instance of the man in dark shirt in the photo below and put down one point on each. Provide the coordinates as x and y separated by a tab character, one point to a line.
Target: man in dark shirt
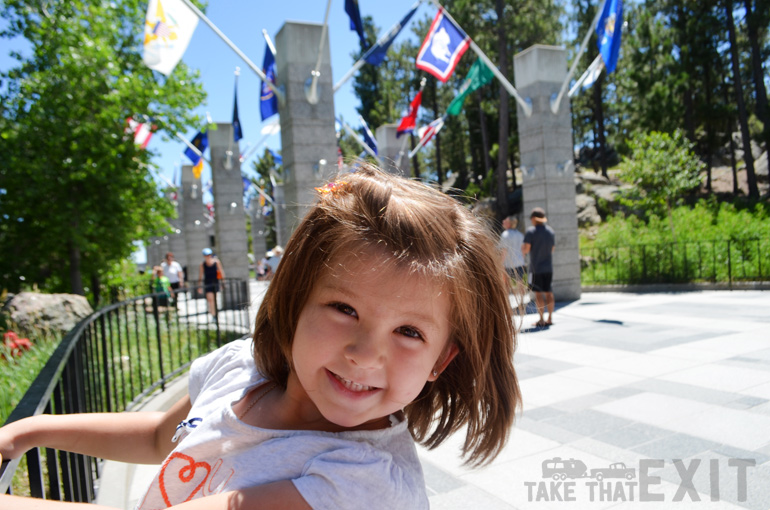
539	242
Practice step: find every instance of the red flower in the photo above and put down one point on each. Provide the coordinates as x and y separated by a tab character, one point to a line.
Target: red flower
16	345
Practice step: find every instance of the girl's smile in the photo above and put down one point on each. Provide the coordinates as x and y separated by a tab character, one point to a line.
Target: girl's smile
368	339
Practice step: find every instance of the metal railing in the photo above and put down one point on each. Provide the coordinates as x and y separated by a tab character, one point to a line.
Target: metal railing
715	261
110	362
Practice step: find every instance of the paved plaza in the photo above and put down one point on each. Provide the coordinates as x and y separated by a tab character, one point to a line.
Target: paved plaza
638	379
675	386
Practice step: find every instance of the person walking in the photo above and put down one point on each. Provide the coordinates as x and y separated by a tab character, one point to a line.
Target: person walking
211	271
511	241
173	271
539	243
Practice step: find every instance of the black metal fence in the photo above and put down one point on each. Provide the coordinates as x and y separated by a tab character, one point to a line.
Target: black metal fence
716	261
110	362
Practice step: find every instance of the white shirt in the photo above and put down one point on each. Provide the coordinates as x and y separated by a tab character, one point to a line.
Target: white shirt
173	271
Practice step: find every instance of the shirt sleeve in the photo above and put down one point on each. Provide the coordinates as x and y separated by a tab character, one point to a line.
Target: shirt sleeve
346	478
212	365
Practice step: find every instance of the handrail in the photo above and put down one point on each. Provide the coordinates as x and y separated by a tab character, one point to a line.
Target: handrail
111	361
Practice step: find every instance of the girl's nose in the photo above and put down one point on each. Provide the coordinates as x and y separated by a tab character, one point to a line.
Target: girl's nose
366	350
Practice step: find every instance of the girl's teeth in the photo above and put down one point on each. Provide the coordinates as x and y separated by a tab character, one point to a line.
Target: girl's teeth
352	386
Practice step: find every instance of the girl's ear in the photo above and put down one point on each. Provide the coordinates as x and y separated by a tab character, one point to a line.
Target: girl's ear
443	361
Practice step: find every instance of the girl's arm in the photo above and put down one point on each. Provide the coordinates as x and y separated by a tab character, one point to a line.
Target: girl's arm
272	496
139	438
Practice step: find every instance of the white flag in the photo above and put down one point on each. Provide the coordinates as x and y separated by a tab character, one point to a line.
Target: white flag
167	32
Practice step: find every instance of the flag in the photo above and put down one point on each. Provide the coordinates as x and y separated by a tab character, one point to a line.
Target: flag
237	130
478	76
592	73
246	184
608	31
142	132
376	53
351	7
442	48
409	122
168	28
268	104
200	142
276	157
369	138
432	129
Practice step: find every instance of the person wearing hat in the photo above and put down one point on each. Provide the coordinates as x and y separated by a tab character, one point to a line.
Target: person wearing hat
539	243
211	271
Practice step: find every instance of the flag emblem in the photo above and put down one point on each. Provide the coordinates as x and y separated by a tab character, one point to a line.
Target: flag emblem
442	48
168	28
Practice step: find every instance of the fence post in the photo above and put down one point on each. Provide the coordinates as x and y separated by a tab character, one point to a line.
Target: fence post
729	264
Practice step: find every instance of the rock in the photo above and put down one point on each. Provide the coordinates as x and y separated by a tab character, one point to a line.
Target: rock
52	312
586	211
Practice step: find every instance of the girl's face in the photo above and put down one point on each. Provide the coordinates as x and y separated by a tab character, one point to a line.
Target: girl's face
367	340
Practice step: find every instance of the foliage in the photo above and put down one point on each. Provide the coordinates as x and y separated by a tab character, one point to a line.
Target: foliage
715	242
76	190
662	168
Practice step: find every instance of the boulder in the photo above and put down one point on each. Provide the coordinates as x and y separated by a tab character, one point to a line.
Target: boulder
51	312
586	211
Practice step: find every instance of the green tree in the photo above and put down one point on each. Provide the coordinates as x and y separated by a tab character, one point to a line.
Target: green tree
75	189
662	168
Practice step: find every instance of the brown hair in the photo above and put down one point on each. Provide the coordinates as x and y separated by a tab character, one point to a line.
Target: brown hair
427	232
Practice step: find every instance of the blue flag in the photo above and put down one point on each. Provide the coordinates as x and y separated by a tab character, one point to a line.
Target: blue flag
442	48
608	31
376	53
276	157
351	7
237	130
268	104
200	142
368	136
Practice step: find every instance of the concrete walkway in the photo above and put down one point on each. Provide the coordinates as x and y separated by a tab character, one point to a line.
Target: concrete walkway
675	386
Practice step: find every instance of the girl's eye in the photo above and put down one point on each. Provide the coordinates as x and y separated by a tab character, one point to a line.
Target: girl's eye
410	332
346	309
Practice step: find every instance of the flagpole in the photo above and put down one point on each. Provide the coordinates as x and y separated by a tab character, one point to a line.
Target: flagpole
357	138
525	104
191	146
556	103
596	63
269	41
361	61
227	41
423	81
311	92
253	149
423	141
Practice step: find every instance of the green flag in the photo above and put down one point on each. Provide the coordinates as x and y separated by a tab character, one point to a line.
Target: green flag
478	76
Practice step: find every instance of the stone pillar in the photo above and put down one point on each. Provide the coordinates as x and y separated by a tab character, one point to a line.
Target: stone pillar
390	147
153	253
258	234
232	242
545	144
283	226
308	140
176	241
194	226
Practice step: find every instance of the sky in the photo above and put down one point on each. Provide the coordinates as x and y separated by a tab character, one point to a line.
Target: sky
242	22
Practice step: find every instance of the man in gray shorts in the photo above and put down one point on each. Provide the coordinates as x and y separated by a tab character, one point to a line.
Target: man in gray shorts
539	242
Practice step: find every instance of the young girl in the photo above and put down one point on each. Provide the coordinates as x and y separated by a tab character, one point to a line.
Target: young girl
387	321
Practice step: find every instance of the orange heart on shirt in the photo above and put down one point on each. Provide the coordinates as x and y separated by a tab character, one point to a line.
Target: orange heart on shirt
186	474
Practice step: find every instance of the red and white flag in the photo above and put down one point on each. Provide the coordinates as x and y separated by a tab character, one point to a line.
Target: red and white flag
431	130
409	121
142	132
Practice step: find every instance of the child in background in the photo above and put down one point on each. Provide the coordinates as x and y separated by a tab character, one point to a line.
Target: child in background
387	322
161	284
